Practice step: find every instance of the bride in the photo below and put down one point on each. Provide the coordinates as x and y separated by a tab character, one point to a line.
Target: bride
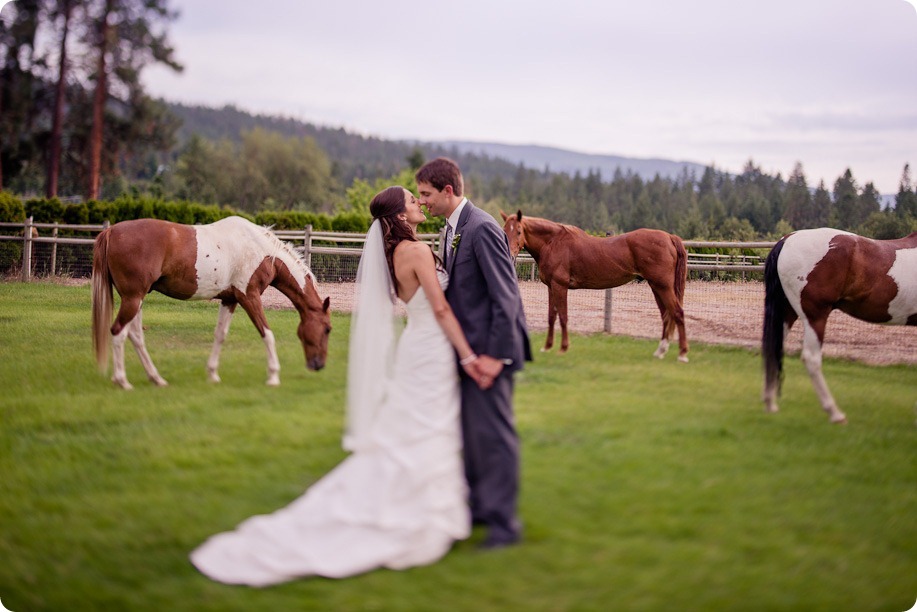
400	499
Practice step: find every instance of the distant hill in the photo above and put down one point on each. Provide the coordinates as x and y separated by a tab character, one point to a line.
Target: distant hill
570	162
367	157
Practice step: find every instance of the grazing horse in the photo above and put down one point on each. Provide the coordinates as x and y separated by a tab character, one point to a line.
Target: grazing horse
569	258
232	260
811	272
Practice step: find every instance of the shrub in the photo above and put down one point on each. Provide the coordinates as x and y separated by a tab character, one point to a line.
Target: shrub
43	210
351	222
11	208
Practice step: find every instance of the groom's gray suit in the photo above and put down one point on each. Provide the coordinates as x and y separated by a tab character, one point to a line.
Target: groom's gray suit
484	295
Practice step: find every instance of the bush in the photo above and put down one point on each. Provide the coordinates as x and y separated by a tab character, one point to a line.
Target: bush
76	214
45	210
351	222
294	220
11	208
133	206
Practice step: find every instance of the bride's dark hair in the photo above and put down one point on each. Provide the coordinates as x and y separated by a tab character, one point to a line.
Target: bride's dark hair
385	207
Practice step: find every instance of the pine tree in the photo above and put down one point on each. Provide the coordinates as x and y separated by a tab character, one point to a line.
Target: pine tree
799	211
906	200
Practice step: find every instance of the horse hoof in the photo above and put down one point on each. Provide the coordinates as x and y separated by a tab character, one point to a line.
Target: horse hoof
123	384
545	349
841	420
214	378
273	382
683	358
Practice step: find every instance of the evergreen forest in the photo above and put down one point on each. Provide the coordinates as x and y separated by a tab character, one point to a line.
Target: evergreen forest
76	125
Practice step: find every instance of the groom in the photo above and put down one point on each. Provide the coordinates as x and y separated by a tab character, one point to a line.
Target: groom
484	296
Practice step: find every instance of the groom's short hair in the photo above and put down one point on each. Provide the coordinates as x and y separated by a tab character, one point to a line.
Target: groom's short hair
440	172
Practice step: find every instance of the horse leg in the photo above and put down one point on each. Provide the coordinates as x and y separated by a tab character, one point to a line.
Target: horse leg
667	326
813	337
552	316
772	382
135	333
677	312
129	308
118	374
219	336
562	315
251	303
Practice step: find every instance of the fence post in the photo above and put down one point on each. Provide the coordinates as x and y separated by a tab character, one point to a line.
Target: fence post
54	251
307	245
608	304
608	311
27	250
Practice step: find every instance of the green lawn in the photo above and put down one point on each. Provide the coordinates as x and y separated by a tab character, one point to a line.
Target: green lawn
647	485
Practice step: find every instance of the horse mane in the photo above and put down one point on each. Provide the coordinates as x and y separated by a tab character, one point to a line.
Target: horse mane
539	223
287	253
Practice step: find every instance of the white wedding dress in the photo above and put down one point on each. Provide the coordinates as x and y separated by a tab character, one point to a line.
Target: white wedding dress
398	501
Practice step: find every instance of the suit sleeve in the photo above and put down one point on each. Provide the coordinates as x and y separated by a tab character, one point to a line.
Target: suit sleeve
491	250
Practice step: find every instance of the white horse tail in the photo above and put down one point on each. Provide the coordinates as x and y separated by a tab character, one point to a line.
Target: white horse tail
102	300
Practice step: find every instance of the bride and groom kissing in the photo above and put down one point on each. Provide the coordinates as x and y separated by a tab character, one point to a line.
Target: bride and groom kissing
430	423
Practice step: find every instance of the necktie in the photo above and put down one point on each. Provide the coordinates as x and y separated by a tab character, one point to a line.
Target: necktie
447	252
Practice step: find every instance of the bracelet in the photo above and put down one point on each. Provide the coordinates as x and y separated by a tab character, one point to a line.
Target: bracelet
468	359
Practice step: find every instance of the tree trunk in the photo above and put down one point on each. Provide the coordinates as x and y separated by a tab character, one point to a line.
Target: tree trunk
98	110
1	132
57	125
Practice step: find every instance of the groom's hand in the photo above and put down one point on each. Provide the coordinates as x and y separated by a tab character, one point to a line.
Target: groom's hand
490	368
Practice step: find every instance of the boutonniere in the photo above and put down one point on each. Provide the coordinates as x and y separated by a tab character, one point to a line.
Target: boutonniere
455	241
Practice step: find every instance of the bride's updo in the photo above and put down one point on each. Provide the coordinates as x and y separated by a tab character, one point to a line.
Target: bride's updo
386	207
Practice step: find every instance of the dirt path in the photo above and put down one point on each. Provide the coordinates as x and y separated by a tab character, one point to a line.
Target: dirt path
716	312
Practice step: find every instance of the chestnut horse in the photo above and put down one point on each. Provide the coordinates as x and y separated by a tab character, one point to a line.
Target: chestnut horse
811	272
569	258
232	260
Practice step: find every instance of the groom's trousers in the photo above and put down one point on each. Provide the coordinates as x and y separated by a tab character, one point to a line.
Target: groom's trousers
492	456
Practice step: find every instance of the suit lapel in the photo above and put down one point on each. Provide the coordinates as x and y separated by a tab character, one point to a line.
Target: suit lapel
463	219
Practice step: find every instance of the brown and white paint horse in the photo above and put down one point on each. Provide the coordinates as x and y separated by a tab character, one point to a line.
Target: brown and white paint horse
809	273
232	260
569	258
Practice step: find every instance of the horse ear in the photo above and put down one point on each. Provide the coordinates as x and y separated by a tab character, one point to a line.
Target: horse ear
519	215
326	304
504	215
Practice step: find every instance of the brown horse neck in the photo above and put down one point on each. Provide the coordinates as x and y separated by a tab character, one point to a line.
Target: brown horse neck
304	297
539	233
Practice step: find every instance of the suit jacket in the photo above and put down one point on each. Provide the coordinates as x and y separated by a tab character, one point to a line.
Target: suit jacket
483	291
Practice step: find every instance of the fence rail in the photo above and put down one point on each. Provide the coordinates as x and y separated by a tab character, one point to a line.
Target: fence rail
720	306
333	243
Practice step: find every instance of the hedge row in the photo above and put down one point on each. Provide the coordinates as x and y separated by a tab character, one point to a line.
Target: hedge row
45	210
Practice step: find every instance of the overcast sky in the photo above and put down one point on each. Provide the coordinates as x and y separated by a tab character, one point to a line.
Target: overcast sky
828	83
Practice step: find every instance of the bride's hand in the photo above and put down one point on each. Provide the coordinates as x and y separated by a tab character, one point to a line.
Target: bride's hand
476	372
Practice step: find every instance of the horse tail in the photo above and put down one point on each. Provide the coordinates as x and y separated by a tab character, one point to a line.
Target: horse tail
102	299
681	269
775	310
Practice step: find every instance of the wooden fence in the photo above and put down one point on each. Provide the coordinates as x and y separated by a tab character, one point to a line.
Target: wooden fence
723	305
30	233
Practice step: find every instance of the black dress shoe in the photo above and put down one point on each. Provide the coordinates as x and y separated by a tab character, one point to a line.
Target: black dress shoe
496	544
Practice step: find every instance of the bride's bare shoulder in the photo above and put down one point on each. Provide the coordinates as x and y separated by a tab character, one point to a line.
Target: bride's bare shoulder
412	250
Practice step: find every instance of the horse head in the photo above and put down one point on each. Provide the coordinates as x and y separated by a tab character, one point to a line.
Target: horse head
314	326
514	231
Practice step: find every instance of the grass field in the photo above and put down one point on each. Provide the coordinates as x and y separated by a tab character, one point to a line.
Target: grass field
647	485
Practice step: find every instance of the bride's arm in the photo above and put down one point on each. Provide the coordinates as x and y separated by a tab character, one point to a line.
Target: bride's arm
421	263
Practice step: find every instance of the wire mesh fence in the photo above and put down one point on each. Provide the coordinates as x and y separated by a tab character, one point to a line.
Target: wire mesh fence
724	298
